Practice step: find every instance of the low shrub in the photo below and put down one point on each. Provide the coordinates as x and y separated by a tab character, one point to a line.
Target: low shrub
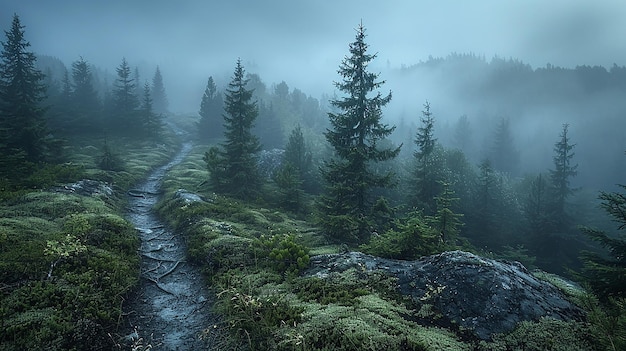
412	239
283	253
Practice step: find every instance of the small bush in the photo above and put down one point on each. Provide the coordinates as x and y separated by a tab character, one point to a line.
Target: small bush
413	238
108	160
284	254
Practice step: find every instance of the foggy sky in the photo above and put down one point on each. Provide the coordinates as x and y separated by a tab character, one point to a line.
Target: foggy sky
303	42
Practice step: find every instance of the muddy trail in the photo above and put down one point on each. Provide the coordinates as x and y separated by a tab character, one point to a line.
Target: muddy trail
171	308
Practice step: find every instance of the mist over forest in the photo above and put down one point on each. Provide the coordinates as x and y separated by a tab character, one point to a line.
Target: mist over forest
400	130
535	101
561	69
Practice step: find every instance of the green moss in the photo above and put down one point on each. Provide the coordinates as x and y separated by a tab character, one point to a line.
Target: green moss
228	252
337	289
570	289
546	334
373	324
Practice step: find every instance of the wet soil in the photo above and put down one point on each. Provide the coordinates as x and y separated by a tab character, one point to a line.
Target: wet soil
171	308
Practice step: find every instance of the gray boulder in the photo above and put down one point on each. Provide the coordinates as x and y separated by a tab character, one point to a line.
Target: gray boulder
87	187
187	197
479	296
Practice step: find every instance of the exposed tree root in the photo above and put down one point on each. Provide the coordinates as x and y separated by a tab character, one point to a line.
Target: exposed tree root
159	259
158	285
153	269
169	270
136	193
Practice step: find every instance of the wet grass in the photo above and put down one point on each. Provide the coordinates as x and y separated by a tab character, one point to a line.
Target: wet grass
68	260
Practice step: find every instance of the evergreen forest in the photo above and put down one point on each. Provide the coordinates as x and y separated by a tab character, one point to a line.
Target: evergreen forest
281	177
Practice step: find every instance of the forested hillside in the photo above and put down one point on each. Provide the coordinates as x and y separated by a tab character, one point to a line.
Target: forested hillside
492	157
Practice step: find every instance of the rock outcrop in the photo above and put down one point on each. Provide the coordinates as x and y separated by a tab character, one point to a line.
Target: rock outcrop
87	187
481	296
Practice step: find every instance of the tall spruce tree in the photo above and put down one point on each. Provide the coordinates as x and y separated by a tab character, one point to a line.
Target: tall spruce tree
210	125
23	129
233	166
150	120
159	97
84	97
299	157
560	177
426	181
445	220
345	208
123	116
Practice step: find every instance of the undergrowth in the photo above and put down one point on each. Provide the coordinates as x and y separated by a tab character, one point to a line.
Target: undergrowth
67	261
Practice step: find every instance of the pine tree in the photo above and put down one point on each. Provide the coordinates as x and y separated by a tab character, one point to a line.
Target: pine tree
295	173
151	121
233	167
426	181
560	178
84	97
210	125
289	183
23	129
159	97
298	155
356	131
445	220
124	100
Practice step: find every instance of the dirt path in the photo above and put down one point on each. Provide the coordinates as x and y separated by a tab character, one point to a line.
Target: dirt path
172	306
